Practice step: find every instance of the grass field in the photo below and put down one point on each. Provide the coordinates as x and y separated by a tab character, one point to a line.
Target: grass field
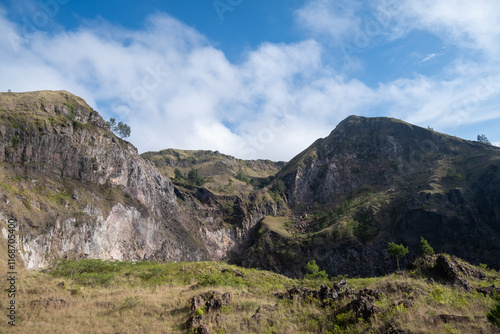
146	297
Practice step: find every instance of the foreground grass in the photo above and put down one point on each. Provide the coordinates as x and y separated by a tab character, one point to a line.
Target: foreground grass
147	297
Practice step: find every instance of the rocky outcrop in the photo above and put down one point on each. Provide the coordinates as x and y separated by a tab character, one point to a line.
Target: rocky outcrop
205	308
379	180
85	193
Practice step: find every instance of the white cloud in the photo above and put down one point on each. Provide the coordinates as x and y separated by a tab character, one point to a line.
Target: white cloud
497	143
337	19
173	88
430	57
177	90
465	23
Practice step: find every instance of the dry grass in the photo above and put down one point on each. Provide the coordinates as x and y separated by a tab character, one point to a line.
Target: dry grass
277	225
155	298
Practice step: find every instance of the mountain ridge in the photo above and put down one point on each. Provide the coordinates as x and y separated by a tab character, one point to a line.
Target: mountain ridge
81	192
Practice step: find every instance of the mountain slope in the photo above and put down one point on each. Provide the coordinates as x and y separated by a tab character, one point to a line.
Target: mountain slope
222	174
375	180
78	191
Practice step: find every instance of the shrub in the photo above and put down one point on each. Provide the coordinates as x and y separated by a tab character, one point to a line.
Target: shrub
313	272
195	178
178	175
242	176
425	248
452	174
493	316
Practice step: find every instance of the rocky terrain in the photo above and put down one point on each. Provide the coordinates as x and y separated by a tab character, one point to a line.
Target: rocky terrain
439	294
380	180
78	191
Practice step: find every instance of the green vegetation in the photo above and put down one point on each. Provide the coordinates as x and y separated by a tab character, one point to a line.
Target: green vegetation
452	174
425	248
398	251
242	176
313	272
178	175
120	128
483	139
494	315
278	190
195	178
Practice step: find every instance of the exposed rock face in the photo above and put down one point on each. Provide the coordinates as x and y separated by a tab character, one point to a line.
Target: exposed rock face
78	191
86	193
378	180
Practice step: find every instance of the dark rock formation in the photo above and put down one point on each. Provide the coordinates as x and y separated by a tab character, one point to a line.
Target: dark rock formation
489	291
448	271
207	304
378	180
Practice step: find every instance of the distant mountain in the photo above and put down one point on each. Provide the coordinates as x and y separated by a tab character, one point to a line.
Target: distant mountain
78	191
222	174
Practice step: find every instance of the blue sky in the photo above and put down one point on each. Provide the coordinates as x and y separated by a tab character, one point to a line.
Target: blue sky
260	79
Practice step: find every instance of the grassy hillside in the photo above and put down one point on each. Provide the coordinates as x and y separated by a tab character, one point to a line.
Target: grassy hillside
222	174
146	297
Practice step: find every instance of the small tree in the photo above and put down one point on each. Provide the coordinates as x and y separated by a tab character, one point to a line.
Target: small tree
178	175
483	139
398	251
425	248
313	271
111	123
195	178
123	130
120	128
279	187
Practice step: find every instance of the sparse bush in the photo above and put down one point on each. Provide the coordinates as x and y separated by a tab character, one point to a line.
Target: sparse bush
130	303
313	272
242	176
425	248
483	139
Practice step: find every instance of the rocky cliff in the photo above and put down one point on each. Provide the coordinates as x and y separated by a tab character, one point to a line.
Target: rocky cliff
375	180
78	191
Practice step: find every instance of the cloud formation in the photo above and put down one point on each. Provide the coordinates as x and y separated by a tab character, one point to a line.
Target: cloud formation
175	89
